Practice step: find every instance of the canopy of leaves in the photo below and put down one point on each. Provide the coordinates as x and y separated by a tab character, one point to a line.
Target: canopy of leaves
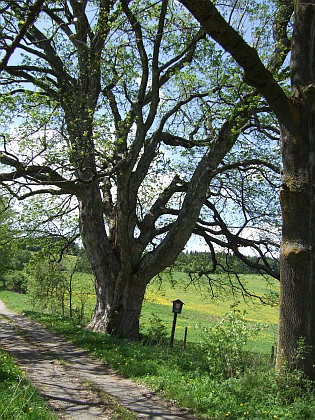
134	95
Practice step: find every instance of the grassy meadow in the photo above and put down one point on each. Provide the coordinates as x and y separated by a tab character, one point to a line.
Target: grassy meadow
200	309
216	376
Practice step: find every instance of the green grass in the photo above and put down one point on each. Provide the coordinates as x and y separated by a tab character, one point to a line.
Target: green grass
19	399
201	310
17	302
254	391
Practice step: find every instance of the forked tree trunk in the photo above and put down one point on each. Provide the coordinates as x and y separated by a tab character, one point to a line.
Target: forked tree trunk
119	295
122	317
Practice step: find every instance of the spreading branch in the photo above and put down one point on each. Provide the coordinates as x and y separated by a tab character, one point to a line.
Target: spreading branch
33	12
256	74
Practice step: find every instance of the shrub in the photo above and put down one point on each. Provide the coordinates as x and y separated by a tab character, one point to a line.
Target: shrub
157	332
47	283
15	281
224	344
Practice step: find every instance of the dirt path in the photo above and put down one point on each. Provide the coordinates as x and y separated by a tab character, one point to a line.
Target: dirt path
75	384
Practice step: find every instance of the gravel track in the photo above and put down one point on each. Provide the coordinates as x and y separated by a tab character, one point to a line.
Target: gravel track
75	385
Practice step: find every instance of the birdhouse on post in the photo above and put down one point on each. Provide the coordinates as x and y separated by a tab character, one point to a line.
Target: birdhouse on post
177	309
177	306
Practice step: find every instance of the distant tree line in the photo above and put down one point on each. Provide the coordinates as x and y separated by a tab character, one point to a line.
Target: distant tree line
205	262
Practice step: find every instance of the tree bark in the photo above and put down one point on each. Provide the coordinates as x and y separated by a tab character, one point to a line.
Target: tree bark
297	277
121	318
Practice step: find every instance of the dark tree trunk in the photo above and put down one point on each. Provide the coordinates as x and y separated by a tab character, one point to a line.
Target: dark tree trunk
122	317
119	292
103	261
297	282
297	306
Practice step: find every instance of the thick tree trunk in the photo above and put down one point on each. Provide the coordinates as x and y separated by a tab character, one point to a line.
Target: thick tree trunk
101	256
297	309
126	324
121	317
297	282
119	294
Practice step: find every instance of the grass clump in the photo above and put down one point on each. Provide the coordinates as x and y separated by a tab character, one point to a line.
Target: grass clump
19	399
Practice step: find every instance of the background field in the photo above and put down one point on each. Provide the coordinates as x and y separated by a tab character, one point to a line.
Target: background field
200	310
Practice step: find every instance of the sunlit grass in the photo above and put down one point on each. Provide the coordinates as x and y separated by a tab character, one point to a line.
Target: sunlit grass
19	399
199	311
183	375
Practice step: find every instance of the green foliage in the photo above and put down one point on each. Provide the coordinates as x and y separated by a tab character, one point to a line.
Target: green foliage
20	258
47	283
15	281
82	264
56	285
19	399
224	345
7	235
157	331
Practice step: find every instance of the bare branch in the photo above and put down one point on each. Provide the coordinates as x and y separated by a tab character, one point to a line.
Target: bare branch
158	208
247	164
44	175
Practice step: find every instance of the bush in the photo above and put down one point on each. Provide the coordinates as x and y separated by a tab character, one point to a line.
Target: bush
224	344
48	283
15	281
157	332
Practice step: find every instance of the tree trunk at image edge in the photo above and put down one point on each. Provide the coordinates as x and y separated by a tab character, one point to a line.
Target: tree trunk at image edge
297	255
297	283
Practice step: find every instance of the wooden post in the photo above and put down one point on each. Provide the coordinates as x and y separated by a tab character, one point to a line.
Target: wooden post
272	355
185	337
173	329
